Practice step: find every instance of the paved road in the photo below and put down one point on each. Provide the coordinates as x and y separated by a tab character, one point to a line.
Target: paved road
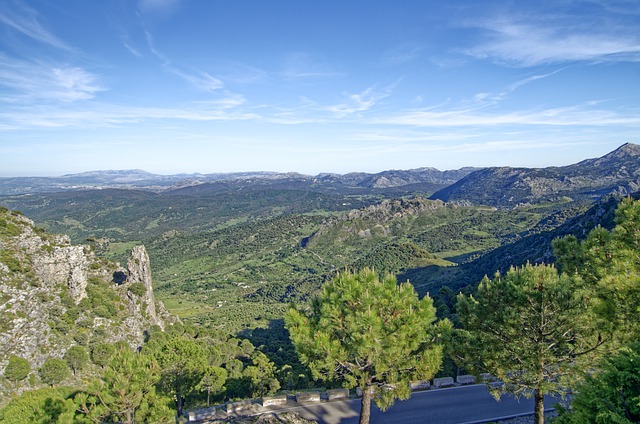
457	405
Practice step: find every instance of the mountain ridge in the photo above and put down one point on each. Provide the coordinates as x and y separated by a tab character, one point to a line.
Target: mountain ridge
617	172
143	180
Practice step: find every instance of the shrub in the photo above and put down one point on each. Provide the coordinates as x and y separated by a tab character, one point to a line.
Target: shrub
138	289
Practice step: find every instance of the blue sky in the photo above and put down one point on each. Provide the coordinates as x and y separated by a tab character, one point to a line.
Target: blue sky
172	86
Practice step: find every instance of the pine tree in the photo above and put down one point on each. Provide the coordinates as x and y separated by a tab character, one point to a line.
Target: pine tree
610	396
261	375
368	333
53	371
533	329
17	369
76	357
611	262
182	362
101	353
126	392
213	381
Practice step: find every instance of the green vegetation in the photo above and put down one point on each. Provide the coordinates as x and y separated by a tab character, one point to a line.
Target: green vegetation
125	393
230	264
7	228
76	358
53	371
101	353
182	362
17	369
532	329
369	333
138	289
610	396
10	260
261	375
609	260
240	276
212	382
45	405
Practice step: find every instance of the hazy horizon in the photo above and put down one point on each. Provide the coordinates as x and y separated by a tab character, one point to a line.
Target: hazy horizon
183	86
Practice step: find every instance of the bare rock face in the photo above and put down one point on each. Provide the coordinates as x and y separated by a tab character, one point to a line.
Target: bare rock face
65	265
55	261
140	272
372	220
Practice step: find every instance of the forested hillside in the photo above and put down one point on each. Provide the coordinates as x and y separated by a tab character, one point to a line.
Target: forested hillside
72	326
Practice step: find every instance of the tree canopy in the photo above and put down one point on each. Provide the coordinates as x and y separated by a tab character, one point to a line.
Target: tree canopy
76	357
17	369
182	362
53	371
125	392
611	262
533	329
612	395
370	333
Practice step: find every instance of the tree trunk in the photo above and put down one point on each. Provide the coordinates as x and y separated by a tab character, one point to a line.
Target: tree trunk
365	405
129	416
539	408
179	403
208	396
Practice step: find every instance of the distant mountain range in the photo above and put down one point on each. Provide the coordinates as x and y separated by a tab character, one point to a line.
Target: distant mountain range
504	187
142	180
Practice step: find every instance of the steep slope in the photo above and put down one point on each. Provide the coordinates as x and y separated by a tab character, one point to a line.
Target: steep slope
532	246
617	172
56	295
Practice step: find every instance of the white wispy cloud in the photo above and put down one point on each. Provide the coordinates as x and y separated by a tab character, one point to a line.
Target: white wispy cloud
495	97
230	101
25	20
38	80
536	43
359	102
131	49
199	79
296	65
99	115
581	115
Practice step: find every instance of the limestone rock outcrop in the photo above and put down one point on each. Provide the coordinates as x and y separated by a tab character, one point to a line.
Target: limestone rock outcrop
54	295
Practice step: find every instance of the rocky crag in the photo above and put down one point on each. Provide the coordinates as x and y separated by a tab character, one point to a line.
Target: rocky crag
54	295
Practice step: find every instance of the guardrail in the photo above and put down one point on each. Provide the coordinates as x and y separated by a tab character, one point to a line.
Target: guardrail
285	401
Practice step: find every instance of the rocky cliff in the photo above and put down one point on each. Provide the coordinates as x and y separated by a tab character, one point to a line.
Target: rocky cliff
55	295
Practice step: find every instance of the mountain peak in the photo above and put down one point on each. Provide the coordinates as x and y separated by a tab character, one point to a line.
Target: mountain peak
627	149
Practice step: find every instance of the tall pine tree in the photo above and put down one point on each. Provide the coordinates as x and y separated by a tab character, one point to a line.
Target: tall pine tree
369	333
533	329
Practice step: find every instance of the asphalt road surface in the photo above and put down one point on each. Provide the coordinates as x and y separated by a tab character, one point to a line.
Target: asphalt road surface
457	405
